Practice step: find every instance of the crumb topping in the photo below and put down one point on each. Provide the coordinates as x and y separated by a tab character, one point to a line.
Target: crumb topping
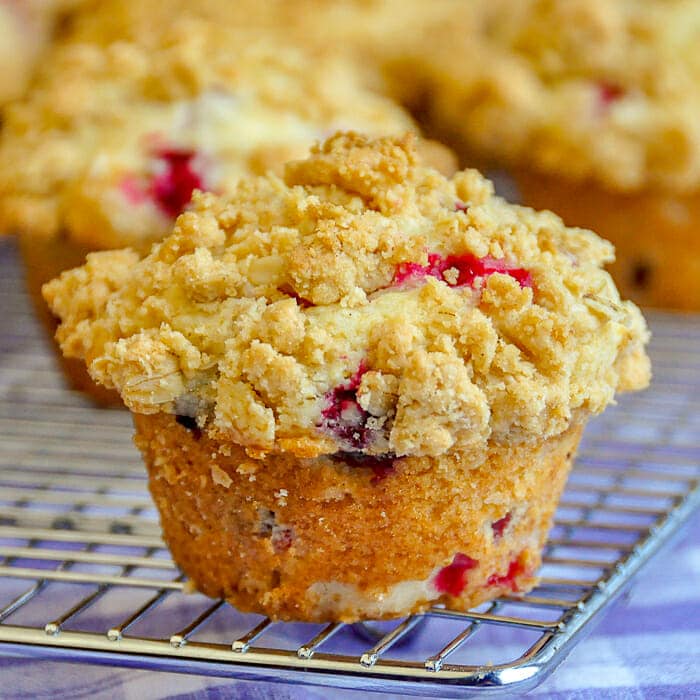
114	159
273	316
596	89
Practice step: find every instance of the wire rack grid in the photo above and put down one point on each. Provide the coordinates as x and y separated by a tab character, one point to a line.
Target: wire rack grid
84	573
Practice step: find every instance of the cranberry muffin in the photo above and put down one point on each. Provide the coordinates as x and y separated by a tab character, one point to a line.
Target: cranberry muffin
26	29
591	107
112	161
358	389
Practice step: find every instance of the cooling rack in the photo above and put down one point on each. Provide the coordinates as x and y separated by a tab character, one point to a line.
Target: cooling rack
84	574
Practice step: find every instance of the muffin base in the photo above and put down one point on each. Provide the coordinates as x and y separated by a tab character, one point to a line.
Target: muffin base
655	235
321	540
44	260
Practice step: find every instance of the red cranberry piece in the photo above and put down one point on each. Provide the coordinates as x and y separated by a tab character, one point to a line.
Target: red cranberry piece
281	538
410	271
519	274
381	472
608	94
452	579
172	189
515	569
343	415
468	267
290	292
461	206
500	525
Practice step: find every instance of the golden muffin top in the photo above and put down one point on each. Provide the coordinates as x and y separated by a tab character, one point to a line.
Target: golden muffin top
364	303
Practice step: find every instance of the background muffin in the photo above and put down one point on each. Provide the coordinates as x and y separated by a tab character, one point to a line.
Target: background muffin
112	161
26	29
591	105
364	352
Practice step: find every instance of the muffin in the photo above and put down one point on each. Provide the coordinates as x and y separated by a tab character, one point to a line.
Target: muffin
114	160
591	107
358	389
366	32
25	28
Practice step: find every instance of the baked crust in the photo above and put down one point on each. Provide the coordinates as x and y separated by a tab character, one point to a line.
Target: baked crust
321	539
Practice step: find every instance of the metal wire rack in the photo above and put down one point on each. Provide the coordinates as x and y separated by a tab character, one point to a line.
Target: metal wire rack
84	573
